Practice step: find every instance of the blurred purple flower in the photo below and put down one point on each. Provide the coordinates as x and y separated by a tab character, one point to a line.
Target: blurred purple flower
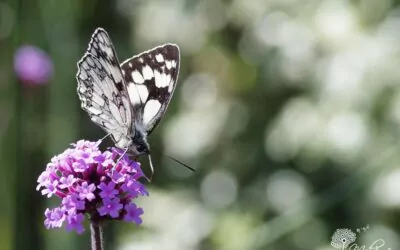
32	65
83	178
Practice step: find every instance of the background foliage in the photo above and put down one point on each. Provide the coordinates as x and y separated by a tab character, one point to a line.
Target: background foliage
288	109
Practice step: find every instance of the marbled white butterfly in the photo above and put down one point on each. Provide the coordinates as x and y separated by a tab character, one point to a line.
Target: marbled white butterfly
127	100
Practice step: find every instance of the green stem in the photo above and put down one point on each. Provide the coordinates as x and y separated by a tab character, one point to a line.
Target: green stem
96	235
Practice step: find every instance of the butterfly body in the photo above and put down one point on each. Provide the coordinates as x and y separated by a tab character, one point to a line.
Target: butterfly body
128	100
139	143
136	144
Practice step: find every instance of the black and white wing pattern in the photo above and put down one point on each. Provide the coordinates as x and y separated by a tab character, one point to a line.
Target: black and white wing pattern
151	79
102	90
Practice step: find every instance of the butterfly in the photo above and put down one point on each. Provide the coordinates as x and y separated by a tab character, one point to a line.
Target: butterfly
127	100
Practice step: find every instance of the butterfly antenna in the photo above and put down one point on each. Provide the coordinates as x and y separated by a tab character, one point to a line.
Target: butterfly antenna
183	164
151	167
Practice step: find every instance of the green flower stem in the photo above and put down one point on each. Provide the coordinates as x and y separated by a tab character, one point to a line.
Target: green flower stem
96	235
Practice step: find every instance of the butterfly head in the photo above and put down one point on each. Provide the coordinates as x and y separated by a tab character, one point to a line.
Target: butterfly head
139	145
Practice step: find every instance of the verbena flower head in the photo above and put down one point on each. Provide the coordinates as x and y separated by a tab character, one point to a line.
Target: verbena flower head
87	182
32	65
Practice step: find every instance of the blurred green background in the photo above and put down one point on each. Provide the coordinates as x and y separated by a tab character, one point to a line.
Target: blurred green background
288	109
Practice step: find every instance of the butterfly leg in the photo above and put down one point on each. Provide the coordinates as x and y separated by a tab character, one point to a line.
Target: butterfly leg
107	135
102	139
122	155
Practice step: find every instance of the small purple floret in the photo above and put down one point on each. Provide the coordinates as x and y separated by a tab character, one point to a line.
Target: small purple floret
110	207
50	189
66	182
72	201
108	190
88	183
54	218
74	221
86	191
133	213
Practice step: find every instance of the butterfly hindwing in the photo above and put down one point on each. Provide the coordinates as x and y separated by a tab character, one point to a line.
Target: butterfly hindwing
101	88
151	79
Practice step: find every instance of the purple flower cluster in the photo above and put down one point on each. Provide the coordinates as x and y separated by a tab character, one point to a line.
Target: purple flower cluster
88	182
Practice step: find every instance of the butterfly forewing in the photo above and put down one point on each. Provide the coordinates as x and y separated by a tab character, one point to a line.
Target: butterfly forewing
151	79
127	100
102	90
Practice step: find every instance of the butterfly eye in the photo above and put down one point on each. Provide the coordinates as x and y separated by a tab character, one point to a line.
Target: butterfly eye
142	148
